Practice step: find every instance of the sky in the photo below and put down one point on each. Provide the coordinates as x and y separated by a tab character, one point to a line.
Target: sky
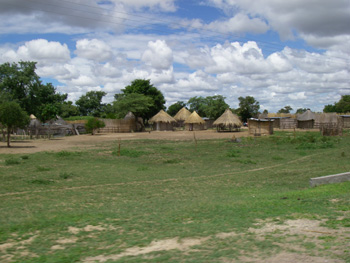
293	52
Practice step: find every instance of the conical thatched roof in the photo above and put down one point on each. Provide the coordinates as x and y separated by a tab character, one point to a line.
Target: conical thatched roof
228	119
129	116
194	118
182	114
162	116
307	116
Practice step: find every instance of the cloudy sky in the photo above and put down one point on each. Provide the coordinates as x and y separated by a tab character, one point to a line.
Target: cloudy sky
293	52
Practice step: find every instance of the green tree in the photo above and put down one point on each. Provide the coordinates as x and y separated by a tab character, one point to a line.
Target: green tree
90	104
67	109
48	114
286	109
215	106
20	83
342	106
197	104
144	87
248	108
94	124
134	102
301	110
174	108
12	116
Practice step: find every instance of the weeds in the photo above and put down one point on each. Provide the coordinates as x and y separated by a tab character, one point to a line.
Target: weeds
129	153
12	161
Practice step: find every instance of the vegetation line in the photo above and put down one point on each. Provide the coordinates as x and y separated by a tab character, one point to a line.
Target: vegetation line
154	181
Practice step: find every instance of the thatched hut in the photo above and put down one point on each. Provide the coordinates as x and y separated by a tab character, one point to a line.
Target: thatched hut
194	122
228	121
162	121
306	120
259	127
181	116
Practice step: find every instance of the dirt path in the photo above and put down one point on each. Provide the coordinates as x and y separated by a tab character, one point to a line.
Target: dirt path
88	141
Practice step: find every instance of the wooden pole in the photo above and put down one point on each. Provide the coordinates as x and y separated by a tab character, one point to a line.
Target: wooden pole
118	146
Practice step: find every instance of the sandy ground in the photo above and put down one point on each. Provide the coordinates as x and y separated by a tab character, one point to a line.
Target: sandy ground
87	141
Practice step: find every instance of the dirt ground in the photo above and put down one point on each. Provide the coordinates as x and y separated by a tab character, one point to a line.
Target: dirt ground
88	141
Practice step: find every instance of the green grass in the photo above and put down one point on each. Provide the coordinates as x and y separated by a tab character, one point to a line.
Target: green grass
161	190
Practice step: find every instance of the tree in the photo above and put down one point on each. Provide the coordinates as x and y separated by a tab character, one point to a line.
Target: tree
48	114
134	102
93	124
301	110
68	109
248	108
144	87
342	106
212	106
90	103
12	116
286	109
20	83
174	108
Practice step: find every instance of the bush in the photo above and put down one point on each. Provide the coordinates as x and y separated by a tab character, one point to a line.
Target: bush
11	161
93	124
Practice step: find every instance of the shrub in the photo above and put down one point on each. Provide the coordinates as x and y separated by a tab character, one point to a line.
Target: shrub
11	161
93	124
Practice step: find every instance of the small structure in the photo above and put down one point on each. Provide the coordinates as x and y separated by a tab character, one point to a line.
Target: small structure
194	122
345	120
306	120
181	116
258	127
228	121
162	121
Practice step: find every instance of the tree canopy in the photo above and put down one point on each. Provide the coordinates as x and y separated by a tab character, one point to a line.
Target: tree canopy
134	102
342	106
286	109
90	104
144	87
174	108
212	106
248	108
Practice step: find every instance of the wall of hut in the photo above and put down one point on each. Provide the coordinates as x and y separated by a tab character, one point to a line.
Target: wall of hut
306	124
162	126
118	125
345	121
260	127
288	123
194	127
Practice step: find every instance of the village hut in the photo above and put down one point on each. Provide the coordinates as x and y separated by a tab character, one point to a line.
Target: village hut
259	127
135	124
194	122
228	121
306	120
162	121
181	116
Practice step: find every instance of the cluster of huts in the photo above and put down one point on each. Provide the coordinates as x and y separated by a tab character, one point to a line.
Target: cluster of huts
162	121
328	123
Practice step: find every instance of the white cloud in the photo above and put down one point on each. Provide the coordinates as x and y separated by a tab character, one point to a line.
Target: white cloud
158	55
93	49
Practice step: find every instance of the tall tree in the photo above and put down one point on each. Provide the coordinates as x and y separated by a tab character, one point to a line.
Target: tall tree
286	109
301	110
68	109
48	114
90	104
174	108
20	83
12	116
215	107
197	104
143	86
134	102
248	108
342	106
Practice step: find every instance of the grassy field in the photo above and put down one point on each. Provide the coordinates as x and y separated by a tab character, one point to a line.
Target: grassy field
178	201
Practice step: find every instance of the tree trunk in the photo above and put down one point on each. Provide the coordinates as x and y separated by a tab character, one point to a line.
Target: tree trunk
8	137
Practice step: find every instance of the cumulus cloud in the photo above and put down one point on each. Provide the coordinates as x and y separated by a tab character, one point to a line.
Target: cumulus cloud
158	55
39	50
93	49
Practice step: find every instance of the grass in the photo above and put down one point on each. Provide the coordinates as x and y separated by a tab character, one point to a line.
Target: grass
96	202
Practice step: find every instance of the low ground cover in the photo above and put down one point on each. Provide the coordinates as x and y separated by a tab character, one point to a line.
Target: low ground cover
173	201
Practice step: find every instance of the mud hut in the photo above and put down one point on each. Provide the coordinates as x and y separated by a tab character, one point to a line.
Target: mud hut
306	120
162	121
345	121
228	121
259	127
194	122
181	116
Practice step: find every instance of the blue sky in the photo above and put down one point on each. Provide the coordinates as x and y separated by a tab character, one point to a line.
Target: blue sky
282	53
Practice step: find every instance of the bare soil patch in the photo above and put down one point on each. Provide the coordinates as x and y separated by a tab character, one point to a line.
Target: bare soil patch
90	141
